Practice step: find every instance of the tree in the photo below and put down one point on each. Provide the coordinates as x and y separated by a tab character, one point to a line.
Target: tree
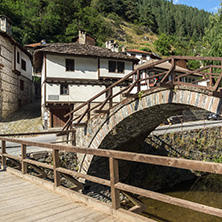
163	44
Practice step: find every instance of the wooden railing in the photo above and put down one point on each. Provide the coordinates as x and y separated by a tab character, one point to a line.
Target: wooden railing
174	76
115	185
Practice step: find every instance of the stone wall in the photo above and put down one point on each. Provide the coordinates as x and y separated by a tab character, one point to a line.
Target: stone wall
128	124
201	144
11	95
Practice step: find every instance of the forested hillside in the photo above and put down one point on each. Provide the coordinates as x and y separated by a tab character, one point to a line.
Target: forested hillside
59	20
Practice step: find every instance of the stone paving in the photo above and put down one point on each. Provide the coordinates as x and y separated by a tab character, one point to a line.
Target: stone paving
25	119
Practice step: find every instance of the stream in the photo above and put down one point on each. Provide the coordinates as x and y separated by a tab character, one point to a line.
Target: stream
205	190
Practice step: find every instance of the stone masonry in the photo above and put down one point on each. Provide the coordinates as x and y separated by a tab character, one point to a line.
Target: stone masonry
11	95
128	124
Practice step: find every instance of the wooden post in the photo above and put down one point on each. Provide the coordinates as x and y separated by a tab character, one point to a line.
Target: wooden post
88	114
114	178
24	165
138	84
173	72
3	152
111	100
210	77
55	154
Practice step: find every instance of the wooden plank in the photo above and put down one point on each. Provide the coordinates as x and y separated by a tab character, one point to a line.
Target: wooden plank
169	72
198	58
101	111
55	154
39	164
130	156
33	210
37	133
84	176
171	200
192	72
3	148
24	156
76	212
12	157
114	178
215	88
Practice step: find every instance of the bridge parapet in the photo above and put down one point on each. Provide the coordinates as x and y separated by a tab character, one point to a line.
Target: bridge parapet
113	182
139	81
130	122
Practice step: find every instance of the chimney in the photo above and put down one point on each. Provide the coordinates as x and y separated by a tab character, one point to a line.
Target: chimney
5	24
112	46
43	41
82	37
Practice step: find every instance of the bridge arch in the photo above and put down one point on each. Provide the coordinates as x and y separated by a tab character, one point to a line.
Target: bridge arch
129	123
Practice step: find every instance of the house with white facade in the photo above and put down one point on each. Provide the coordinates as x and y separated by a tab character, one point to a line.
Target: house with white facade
15	72
72	73
143	56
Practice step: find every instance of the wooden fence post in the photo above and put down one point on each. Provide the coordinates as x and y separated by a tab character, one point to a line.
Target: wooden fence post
3	152
111	100
138	78
24	165
55	165
114	178
88	114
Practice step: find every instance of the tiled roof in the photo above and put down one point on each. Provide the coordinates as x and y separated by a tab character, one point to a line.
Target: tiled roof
80	50
138	51
33	45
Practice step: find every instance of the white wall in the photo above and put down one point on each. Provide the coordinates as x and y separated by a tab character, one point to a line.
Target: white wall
77	93
85	68
139	56
28	72
104	69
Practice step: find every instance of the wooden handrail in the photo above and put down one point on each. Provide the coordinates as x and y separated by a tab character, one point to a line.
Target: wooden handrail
137	82
117	83
114	183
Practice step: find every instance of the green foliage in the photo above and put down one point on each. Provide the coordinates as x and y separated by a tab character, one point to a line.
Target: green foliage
163	44
213	38
60	20
146	49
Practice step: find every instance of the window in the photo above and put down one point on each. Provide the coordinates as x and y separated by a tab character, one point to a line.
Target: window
24	65
69	64
21	85
117	67
18	57
112	66
144	57
64	89
120	67
133	55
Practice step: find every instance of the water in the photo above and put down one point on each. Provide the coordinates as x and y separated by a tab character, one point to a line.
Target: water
205	190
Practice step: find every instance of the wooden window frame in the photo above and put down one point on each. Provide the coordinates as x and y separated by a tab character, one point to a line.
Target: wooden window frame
68	69
18	57
62	91
116	66
23	64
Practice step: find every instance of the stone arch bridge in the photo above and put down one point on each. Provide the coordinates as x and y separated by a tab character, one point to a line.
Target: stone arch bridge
124	126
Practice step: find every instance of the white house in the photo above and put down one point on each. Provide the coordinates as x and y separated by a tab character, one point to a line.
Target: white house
15	72
143	56
72	73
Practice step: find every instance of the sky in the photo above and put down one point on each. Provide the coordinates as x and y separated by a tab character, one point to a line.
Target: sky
208	5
